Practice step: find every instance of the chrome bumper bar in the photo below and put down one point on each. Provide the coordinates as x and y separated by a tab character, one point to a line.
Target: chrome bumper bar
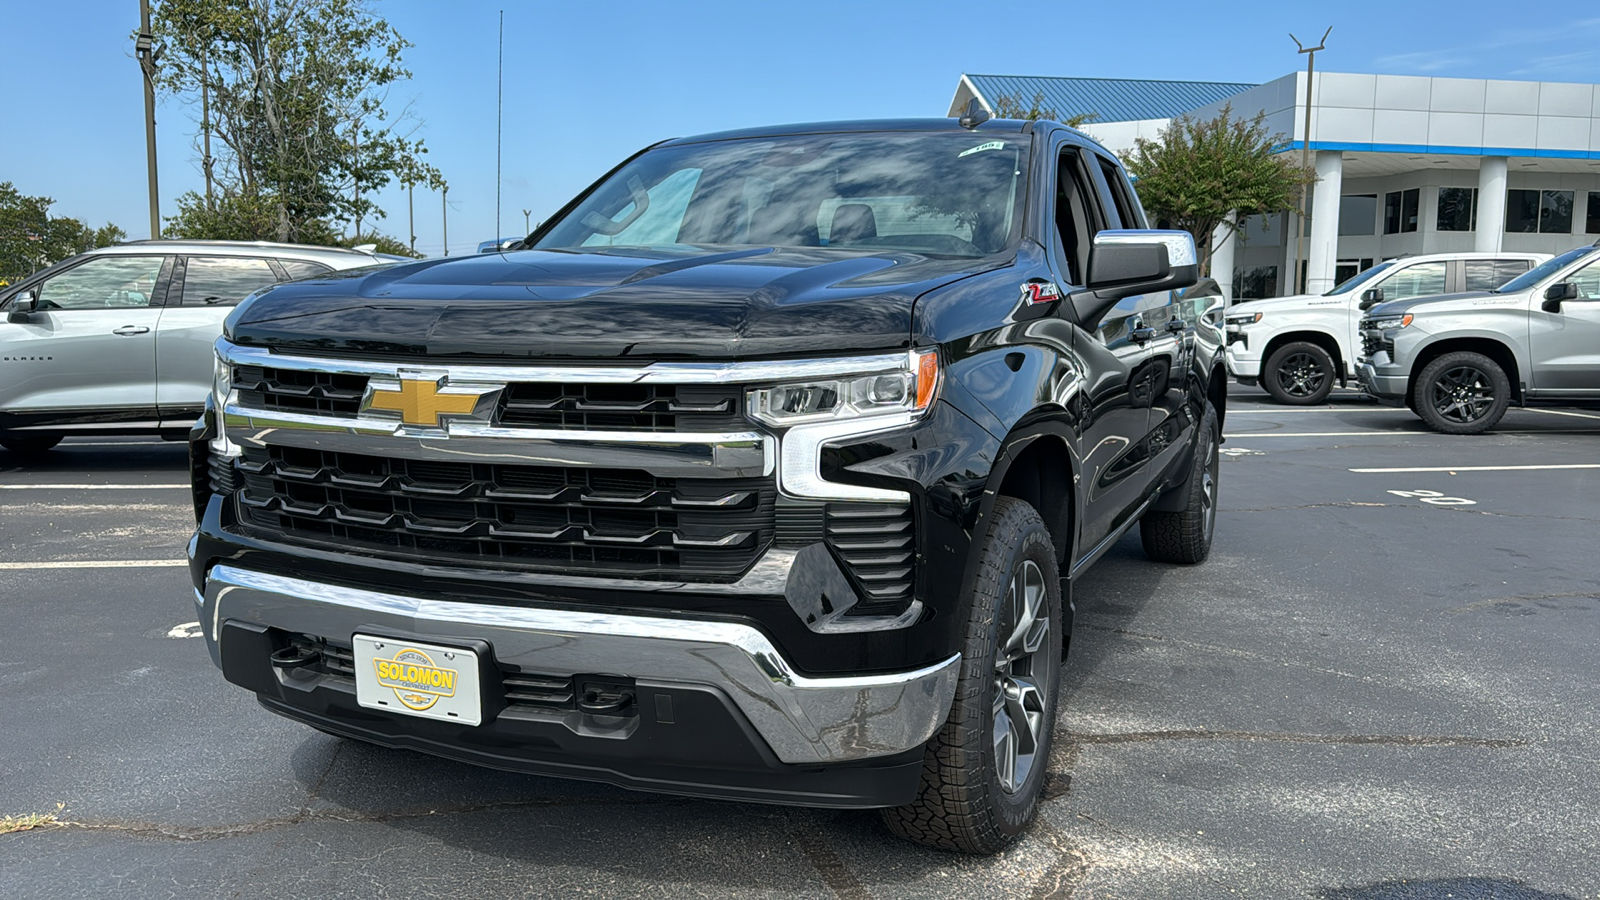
805	720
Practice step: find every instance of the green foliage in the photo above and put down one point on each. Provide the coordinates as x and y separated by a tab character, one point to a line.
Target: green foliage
1200	171
31	238
297	106
1009	106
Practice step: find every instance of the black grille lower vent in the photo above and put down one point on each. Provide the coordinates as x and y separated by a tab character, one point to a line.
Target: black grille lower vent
876	542
569	520
292	390
1372	342
621	407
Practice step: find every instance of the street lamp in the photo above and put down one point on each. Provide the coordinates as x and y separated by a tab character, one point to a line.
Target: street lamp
148	53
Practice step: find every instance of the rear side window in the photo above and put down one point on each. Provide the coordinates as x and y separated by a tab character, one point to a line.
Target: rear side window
299	268
224	280
1488	274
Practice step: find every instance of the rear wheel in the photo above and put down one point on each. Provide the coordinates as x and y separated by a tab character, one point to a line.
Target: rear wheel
1185	536
1462	393
1299	373
984	769
31	445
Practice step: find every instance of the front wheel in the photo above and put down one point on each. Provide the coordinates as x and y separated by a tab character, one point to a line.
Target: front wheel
1462	393
983	770
1185	536
31	445
1299	374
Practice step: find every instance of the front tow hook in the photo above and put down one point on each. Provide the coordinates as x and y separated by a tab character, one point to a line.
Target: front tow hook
294	657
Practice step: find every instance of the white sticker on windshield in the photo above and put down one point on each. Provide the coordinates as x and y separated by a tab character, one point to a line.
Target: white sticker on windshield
992	145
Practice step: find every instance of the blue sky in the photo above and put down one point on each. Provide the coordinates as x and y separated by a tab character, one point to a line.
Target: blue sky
588	83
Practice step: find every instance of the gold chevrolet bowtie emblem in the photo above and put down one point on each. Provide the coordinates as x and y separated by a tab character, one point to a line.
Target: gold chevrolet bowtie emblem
422	399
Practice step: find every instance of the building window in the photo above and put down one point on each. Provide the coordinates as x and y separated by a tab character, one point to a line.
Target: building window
1594	213
1400	211
1346	269
1539	212
1458	209
1255	282
1358	214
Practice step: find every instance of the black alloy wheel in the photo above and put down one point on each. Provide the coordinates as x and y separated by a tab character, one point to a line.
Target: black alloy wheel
1462	393
983	771
1184	536
1300	374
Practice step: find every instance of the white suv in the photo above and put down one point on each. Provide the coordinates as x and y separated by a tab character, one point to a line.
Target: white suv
1296	347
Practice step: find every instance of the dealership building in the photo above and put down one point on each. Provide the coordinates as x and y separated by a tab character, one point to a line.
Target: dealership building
1404	164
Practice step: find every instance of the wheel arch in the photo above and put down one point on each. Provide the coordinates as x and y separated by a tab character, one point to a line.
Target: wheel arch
1324	339
1495	349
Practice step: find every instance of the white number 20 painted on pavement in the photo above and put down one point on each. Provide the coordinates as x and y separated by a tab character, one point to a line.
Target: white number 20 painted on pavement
1436	498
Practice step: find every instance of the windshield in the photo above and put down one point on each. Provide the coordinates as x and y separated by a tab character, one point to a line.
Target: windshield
1351	284
935	194
1539	273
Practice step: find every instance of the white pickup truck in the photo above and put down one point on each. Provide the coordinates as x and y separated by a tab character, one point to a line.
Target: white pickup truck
1297	347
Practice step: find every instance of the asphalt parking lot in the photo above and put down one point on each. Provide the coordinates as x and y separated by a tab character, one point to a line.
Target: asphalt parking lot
1381	686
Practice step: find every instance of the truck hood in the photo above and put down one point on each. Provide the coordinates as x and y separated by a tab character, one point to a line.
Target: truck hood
638	303
1445	303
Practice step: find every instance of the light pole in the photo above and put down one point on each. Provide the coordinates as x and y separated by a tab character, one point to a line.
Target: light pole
411	216
145	49
525	214
1295	281
444	196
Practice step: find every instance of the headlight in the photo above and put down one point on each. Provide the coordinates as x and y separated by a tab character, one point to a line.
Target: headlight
1243	319
909	389
821	411
1388	322
221	387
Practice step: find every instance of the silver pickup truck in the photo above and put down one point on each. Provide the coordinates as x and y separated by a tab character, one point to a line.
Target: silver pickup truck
1459	360
118	340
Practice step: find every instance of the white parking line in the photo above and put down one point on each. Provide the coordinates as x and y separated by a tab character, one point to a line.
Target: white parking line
1268	434
1476	468
1564	412
97	564
93	487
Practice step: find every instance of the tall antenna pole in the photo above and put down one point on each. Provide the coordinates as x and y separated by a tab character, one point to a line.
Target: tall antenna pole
500	103
145	49
1297	285
444	197
411	216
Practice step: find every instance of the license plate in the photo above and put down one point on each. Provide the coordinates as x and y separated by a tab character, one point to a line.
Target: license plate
416	679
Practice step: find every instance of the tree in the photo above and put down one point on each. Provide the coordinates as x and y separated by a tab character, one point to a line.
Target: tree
31	238
1199	173
1009	106
296	93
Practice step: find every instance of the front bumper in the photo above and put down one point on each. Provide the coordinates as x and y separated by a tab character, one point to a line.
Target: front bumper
1242	364
1380	378
784	737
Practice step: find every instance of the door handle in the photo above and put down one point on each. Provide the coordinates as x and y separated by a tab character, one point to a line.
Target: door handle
132	329
1177	326
1141	335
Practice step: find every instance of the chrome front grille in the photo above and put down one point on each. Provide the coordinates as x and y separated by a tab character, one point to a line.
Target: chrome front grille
571	520
622	407
299	391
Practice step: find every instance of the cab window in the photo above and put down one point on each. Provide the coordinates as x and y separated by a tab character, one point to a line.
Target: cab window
107	282
1420	280
1078	217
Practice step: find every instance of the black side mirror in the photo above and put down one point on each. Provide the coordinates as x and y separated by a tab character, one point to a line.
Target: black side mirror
1371	297
22	307
1555	293
1125	263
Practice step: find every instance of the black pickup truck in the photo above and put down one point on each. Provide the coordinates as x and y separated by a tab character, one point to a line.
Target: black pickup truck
762	471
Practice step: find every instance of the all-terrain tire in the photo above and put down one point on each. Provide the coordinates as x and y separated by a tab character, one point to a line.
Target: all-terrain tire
1461	393
1299	373
1185	536
962	804
32	445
